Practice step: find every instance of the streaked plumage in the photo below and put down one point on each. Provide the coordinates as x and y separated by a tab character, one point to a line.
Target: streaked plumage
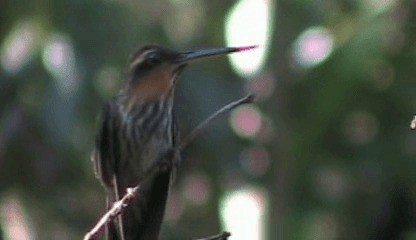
137	130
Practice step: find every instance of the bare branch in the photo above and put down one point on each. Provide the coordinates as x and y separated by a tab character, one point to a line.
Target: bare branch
413	123
131	193
221	236
247	99
112	213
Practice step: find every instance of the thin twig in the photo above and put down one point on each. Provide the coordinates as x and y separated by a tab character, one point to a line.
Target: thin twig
247	99
413	123
221	236
112	213
131	193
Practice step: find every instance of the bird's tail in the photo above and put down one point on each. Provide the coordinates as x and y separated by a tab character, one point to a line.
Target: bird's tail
115	229
142	219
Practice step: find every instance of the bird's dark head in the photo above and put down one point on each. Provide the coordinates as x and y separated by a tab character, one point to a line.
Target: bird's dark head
153	69
149	59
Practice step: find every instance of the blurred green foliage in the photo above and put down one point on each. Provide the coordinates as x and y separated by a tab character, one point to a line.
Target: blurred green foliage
342	156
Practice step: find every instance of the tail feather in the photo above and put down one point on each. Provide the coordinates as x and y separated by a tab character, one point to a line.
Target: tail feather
143	218
115	229
111	232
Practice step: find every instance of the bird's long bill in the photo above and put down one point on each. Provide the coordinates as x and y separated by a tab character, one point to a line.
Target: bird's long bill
193	55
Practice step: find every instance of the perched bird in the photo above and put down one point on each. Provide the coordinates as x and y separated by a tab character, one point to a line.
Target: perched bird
136	131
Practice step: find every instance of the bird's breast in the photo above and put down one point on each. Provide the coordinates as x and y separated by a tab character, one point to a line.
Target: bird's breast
147	136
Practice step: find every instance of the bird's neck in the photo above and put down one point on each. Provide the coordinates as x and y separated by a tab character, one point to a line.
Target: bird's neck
132	102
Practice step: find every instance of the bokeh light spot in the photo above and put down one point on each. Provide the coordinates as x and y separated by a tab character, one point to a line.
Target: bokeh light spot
185	20
19	46
197	188
331	184
262	86
14	220
107	81
320	225
360	127
246	121
255	160
248	23
59	60
313	46
243	213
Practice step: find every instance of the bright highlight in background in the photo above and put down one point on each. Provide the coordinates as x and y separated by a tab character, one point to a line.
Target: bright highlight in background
13	219
19	46
246	121
243	213
59	60
249	23
313	46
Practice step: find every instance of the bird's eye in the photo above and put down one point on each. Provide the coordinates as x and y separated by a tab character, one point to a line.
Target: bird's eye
153	59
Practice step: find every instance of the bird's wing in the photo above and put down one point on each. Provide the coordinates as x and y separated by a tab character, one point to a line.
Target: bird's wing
107	146
106	155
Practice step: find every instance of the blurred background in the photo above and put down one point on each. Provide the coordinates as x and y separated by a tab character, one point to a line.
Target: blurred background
325	153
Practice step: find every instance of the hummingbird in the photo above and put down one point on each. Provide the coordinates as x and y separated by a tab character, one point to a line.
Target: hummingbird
136	131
